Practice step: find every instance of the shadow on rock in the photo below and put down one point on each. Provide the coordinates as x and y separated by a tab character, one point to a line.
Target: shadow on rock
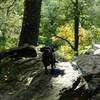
75	93
57	71
38	88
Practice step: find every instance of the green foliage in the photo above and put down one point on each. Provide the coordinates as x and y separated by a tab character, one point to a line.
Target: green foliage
94	34
66	32
53	14
90	13
57	18
11	12
8	42
7	70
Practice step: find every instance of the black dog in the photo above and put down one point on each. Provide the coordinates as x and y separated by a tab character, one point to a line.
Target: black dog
47	57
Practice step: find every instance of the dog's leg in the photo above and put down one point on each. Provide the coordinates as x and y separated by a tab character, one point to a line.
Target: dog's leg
46	69
52	66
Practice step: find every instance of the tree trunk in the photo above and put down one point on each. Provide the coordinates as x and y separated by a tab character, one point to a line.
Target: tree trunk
76	26
31	20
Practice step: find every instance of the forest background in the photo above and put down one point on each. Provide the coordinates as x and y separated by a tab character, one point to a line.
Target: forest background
57	24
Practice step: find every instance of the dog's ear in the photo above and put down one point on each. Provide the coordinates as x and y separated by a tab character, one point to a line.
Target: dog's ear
52	49
42	49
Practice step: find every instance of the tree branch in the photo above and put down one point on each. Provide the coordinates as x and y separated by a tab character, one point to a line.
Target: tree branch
9	5
8	8
64	40
73	2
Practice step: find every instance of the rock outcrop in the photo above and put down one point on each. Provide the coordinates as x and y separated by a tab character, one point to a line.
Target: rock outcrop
79	80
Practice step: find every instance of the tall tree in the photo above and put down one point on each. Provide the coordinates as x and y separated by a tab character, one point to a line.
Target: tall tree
76	24
31	20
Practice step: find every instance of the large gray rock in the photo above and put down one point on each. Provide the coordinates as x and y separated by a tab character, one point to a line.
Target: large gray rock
90	62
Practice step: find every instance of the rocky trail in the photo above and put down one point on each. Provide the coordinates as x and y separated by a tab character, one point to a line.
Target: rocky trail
79	80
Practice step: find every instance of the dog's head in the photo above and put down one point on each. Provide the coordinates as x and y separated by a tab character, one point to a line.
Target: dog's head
47	49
